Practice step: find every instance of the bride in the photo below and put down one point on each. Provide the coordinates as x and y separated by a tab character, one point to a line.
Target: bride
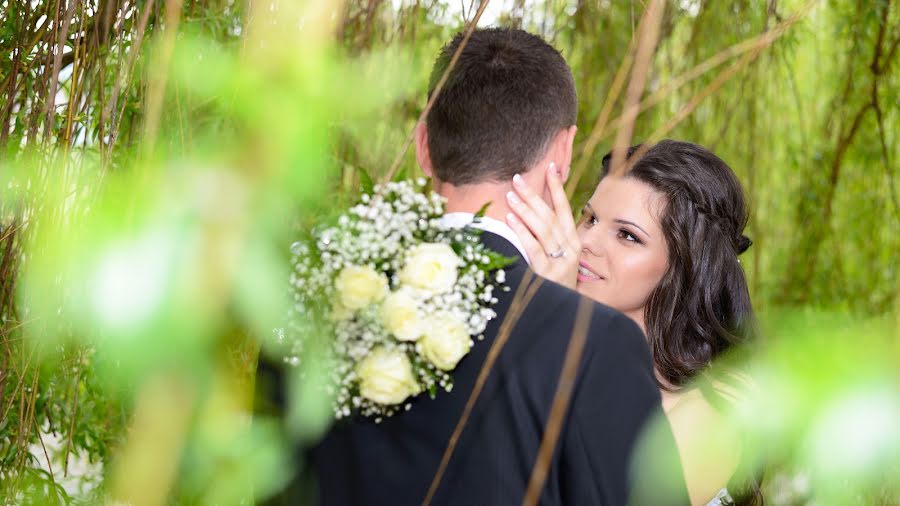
661	245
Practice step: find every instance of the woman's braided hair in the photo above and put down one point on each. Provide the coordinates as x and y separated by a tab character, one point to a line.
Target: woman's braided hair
701	307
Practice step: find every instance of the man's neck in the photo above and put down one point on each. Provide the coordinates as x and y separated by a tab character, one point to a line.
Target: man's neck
471	198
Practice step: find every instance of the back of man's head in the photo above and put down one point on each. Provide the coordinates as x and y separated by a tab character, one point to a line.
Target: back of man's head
505	100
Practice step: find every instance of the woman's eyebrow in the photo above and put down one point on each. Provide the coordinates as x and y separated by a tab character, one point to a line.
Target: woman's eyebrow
626	222
623	222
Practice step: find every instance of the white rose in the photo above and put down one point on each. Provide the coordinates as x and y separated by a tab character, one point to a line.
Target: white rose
386	377
431	267
339	312
401	316
446	342
357	286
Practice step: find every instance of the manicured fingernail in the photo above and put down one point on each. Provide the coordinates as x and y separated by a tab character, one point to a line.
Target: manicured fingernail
512	218
554	168
517	179
512	197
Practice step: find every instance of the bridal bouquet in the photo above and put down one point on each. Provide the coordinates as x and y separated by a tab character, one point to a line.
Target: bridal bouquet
399	298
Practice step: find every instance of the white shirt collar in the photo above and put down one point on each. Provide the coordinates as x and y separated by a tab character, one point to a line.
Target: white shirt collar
460	220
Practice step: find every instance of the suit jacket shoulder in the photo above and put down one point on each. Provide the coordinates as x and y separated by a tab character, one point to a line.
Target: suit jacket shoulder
396	461
616	443
614	396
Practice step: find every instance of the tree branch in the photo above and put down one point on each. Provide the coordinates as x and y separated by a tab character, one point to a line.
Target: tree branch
882	137
62	35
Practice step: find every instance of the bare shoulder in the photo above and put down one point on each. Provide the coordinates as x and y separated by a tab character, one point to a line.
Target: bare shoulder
690	412
708	442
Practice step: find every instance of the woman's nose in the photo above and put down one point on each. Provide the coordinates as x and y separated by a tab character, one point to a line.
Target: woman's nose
592	244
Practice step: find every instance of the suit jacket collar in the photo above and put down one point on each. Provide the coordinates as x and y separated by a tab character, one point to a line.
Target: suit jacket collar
488	224
500	244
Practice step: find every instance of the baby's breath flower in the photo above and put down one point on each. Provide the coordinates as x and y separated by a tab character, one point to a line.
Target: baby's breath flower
373	283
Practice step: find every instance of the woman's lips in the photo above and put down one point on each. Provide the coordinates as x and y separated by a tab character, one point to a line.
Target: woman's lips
586	274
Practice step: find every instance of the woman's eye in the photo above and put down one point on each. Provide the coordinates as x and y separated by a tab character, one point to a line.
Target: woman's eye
628	236
588	220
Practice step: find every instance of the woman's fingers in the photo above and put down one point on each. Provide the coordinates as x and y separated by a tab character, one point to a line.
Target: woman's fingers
563	270
540	228
541	219
534	201
546	230
532	247
560	201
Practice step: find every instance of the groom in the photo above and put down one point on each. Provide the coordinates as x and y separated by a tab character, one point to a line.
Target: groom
508	108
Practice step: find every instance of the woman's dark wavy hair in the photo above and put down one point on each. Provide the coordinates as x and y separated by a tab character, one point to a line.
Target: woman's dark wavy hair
701	308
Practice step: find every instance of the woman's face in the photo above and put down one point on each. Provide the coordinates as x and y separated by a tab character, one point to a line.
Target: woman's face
624	254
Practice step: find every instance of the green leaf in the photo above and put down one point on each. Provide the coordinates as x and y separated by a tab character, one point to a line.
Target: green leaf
401	174
428	189
481	212
366	185
497	261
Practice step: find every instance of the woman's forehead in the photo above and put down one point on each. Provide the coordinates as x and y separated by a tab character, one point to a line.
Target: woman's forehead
616	194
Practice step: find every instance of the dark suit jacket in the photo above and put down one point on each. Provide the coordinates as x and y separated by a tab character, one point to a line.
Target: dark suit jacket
360	462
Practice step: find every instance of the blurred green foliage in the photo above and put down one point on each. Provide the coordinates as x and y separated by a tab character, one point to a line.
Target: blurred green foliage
818	410
158	158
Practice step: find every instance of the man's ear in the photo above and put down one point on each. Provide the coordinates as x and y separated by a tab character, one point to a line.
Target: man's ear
567	145
423	154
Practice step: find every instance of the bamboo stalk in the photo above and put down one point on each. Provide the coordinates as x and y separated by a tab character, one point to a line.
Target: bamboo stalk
751	45
524	294
561	401
71	427
157	88
127	72
602	119
61	36
648	31
147	465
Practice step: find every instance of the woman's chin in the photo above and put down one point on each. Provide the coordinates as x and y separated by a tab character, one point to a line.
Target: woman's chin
589	289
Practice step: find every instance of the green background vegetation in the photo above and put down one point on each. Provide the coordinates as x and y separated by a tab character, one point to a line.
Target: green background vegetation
158	157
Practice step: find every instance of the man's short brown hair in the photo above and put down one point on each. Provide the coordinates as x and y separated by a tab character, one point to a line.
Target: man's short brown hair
506	98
